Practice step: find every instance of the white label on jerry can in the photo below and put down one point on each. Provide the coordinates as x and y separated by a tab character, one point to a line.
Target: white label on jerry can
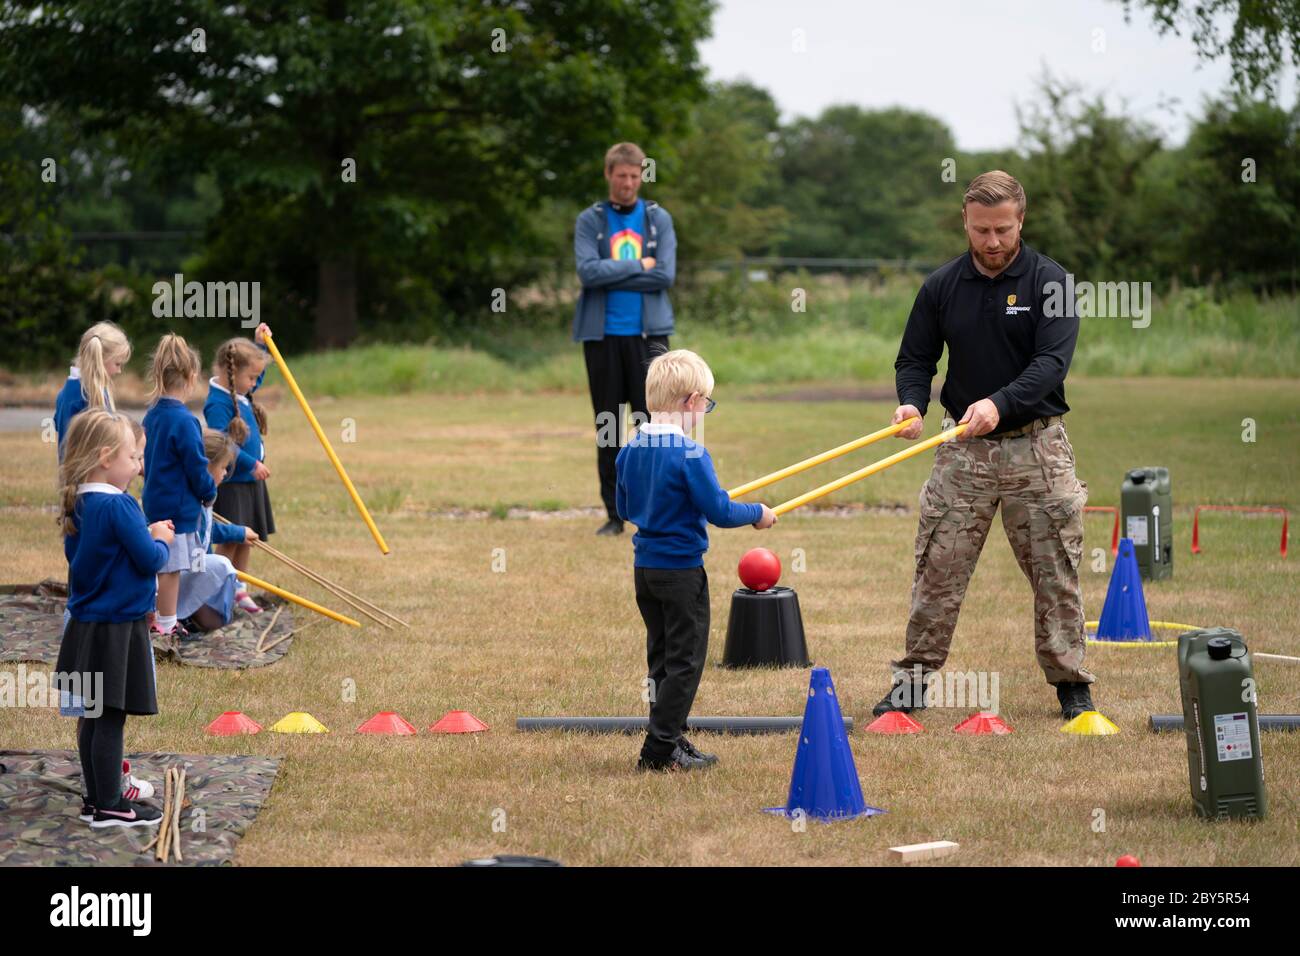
1232	736
1137	528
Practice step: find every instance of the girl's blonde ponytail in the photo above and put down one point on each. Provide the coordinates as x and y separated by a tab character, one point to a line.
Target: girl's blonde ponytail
173	364
102	343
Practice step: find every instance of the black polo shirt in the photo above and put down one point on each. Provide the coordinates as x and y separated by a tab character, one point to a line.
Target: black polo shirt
1001	345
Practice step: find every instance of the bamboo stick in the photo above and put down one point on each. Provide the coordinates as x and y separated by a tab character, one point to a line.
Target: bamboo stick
267	630
869	470
818	459
284	637
161	853
326	582
178	799
290	596
358	602
325	442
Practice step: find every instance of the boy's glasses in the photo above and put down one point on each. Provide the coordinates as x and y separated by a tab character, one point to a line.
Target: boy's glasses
710	406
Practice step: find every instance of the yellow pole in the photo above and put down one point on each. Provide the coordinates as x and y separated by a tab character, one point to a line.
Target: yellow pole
818	459
871	469
288	596
325	442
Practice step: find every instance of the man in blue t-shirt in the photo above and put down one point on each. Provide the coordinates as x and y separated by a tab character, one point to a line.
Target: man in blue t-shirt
626	256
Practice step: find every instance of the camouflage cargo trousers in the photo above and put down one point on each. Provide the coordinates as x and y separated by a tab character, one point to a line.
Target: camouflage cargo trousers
1032	477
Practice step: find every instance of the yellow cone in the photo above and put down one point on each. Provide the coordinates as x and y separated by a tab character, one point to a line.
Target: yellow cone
1090	722
299	722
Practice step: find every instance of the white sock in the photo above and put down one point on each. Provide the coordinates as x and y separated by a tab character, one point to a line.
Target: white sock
166	622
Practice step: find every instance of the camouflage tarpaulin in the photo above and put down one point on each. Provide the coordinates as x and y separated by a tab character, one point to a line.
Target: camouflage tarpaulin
31	621
40	798
31	627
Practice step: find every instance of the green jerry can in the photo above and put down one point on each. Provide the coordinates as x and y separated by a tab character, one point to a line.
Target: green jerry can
1146	505
1225	767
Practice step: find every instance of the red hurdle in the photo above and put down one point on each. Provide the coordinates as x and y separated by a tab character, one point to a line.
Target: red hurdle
1196	521
1114	534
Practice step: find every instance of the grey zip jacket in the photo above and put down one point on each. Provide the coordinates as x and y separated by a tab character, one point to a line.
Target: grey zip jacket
598	272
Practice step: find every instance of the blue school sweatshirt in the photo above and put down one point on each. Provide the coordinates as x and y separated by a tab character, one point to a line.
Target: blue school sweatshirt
112	559
176	479
668	488
219	533
218	410
71	401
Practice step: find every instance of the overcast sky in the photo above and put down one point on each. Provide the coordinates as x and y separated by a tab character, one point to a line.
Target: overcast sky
965	61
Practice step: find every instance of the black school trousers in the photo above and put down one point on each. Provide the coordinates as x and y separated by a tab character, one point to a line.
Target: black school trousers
674	604
616	367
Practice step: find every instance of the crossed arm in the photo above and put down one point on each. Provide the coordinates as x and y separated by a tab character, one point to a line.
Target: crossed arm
625	275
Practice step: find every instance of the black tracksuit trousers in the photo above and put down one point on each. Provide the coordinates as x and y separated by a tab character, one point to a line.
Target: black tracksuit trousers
616	367
674	604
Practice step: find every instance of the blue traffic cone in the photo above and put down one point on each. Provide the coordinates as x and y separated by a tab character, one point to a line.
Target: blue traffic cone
824	784
1124	615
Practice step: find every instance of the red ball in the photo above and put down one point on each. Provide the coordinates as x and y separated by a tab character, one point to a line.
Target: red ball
1127	860
759	569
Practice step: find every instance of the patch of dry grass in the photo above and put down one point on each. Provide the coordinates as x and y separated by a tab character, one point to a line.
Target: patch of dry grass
558	633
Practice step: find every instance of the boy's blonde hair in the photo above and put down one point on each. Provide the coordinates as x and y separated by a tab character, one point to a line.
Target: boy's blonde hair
90	433
103	342
673	376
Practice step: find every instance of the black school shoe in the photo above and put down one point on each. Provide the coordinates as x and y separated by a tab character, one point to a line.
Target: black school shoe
905	696
698	754
611	527
678	761
87	811
189	629
1075	698
126	814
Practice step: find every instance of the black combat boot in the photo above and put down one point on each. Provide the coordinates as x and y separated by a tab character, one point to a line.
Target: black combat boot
905	695
1075	698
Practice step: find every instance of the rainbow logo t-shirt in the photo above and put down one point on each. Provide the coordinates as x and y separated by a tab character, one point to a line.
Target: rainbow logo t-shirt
626	240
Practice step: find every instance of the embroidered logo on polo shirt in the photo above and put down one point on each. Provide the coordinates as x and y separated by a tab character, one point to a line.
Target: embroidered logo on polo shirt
1011	299
1012	308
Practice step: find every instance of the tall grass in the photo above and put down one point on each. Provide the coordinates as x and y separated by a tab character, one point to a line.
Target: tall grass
848	331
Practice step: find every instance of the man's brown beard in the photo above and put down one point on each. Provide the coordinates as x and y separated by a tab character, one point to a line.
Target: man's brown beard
1010	257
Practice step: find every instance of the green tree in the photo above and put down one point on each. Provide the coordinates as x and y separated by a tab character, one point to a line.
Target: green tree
718	182
1239	192
460	116
1081	174
1262	35
868	184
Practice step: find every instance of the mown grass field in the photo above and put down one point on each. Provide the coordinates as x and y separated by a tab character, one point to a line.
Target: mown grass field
557	632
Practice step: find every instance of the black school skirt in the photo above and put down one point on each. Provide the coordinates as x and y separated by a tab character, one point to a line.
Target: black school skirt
121	653
246	503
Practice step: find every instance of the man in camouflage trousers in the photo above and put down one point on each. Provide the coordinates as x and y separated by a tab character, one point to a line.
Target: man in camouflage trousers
1009	348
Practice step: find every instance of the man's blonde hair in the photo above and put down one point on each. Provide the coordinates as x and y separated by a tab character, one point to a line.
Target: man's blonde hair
624	154
993	187
673	376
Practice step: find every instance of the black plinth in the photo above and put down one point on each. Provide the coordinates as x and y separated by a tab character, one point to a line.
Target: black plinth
765	629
